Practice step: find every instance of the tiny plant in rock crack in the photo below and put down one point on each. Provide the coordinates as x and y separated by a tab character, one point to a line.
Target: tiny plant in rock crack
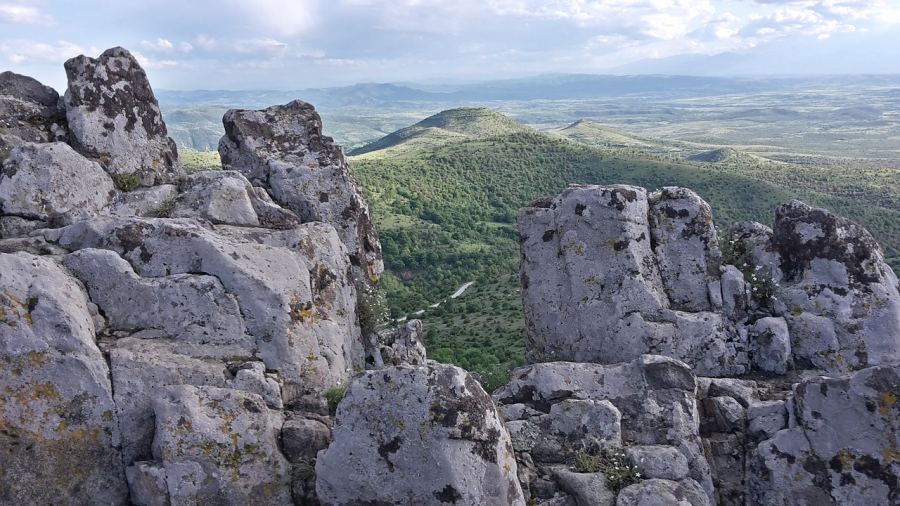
334	397
372	308
126	182
612	462
761	286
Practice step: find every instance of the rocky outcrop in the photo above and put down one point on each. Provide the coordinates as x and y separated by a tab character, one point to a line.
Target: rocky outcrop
29	112
282	149
114	118
164	338
610	272
842	301
593	285
648	406
418	435
59	433
841	446
51	182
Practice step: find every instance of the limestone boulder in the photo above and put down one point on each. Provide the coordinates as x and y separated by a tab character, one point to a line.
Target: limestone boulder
226	197
282	149
593	290
114	117
840	448
842	300
51	181
686	248
418	435
29	111
280	296
219	446
59	433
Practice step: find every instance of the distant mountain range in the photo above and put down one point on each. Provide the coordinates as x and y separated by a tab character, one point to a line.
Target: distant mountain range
546	87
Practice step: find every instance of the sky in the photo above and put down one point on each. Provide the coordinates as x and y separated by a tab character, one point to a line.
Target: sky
288	45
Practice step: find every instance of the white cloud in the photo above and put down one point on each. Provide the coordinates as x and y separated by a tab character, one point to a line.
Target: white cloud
205	42
185	47
20	51
153	63
284	17
19	14
158	44
265	47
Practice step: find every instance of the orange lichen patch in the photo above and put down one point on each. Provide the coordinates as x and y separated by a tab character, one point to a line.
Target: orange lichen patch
37	358
302	311
887	401
45	391
846	459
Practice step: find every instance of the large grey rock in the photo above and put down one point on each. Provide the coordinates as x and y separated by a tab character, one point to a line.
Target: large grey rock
656	492
29	111
418	435
291	288
404	345
592	290
52	181
770	345
140	368
655	395
560	434
195	309
282	148
656	461
59	433
219	446
587	489
842	447
226	197
842	298
686	248
153	202
114	117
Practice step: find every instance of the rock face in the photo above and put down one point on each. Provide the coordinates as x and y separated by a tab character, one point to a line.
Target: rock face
593	286
418	435
52	182
114	118
841	448
171	341
282	149
29	112
58	423
553	409
234	460
610	272
842	299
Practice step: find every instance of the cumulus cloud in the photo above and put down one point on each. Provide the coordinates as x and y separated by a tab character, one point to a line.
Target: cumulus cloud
158	44
18	13
267	47
19	51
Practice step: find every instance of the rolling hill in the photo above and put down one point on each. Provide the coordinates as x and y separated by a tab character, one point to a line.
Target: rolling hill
446	192
446	126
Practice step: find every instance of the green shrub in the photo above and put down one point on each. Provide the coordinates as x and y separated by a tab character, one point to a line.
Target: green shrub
612	462
737	253
126	182
334	397
371	307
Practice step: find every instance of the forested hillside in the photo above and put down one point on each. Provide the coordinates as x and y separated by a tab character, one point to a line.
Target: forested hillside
446	215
